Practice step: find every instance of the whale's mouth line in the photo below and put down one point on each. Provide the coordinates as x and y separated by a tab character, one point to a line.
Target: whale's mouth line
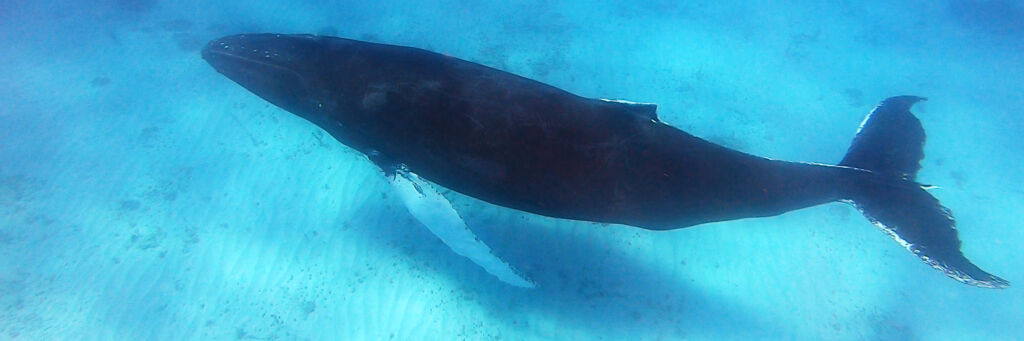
251	61
249	65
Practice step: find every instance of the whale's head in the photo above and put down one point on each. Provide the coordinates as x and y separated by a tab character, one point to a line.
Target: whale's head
290	71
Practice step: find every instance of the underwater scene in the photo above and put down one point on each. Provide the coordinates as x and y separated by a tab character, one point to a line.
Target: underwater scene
511	170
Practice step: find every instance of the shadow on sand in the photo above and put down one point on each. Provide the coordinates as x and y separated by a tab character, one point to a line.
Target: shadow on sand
582	281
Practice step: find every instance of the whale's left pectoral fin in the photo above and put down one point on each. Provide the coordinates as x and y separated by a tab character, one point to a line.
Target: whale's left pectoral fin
435	212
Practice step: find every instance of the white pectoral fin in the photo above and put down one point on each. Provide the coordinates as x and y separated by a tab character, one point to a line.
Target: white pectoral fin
435	212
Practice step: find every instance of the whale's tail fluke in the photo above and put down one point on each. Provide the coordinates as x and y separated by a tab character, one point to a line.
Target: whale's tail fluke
889	146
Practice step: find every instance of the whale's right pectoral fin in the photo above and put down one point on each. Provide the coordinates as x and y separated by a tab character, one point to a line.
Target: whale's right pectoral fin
435	212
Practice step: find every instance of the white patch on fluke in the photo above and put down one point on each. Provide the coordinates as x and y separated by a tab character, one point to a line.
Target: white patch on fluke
437	214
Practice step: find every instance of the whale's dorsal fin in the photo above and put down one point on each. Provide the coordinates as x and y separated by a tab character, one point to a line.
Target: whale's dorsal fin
435	212
646	110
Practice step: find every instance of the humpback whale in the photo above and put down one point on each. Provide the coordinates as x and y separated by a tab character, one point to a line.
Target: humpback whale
432	120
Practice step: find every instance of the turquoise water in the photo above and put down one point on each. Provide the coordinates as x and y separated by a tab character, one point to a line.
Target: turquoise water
145	196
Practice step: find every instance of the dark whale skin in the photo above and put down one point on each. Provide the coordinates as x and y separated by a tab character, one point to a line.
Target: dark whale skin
519	143
522	144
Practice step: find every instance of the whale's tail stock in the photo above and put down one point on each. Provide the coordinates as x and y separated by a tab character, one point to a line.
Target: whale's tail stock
888	149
